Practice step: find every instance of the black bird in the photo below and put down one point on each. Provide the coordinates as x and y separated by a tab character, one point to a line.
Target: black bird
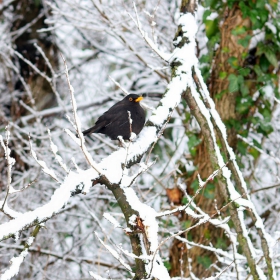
115	121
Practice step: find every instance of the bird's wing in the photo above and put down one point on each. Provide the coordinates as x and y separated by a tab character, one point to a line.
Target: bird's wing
95	128
110	117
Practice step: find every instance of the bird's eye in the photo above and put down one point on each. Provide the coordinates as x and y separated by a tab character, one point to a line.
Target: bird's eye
130	98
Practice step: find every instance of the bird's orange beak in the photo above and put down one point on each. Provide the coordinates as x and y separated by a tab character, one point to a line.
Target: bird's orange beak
139	99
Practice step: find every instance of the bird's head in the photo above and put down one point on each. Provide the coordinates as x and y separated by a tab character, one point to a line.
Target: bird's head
134	98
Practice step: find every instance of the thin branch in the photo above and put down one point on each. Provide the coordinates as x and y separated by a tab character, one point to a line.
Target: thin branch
10	163
77	122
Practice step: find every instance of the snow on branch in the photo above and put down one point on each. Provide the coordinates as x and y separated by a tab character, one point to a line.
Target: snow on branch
153	46
10	162
203	108
58	201
44	166
17	261
15	265
115	254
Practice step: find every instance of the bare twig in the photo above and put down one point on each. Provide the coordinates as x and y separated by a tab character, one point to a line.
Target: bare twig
10	163
77	122
202	221
151	44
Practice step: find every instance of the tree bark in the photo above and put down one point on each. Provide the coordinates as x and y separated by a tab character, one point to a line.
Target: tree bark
33	13
226	106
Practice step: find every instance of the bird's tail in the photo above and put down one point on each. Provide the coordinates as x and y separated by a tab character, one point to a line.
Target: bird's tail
89	131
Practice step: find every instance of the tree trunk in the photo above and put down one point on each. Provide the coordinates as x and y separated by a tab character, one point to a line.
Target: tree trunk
226	106
23	84
42	95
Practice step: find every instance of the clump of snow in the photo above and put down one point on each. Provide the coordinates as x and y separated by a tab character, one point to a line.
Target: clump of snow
15	265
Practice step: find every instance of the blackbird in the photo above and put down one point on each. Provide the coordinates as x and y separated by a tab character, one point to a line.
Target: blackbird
115	122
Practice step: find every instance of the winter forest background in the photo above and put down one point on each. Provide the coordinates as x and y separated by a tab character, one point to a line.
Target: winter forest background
196	195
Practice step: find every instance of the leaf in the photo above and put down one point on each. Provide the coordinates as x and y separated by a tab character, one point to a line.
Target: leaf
174	195
244	71
222	75
204	261
186	224
192	143
273	4
264	127
244	42
221	243
167	264
260	4
220	94
184	200
242	86
244	104
206	14
271	57
225	50
238	30
242	147
254	152
244	90
233	83
194	185
211	27
207	234
233	61
210	191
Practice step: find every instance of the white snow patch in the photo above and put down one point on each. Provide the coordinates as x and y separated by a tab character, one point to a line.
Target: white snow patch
15	265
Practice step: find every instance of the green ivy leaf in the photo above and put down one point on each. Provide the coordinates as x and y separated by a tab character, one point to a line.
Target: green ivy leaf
244	42
221	243
167	264
194	185
206	14
244	71
265	128
211	3
244	90
209	191
243	104
233	83
184	200
222	75
204	261
260	4
233	61
192	143
211	27
273	4
238	30
254	152
271	57
225	50
186	224
220	94
242	147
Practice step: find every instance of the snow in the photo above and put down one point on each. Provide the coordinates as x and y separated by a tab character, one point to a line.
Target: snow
112	220
148	215
115	254
271	27
186	22
45	169
132	220
96	276
15	265
112	166
8	210
58	200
